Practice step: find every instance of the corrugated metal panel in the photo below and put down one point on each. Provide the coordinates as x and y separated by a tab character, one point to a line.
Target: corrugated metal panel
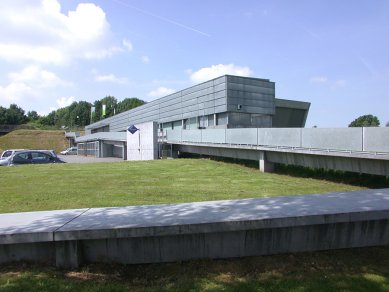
203	99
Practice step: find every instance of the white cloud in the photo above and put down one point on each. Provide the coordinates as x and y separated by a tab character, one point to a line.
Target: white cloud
39	32
145	59
29	86
110	78
65	101
127	45
319	79
36	77
214	71
14	92
161	91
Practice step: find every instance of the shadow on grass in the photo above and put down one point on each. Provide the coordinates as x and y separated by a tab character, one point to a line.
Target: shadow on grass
363	269
350	178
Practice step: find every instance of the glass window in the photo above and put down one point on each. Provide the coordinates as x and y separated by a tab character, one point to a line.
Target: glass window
221	119
39	157
211	121
203	121
22	156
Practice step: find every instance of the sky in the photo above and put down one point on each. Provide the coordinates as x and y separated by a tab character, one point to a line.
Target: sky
333	54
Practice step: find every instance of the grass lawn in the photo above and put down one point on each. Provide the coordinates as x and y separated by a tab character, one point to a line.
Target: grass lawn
364	270
65	186
45	187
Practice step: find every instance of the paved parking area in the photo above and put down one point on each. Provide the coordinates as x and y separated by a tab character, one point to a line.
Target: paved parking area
87	159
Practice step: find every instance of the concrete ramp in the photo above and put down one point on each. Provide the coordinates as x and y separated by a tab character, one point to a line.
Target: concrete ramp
216	229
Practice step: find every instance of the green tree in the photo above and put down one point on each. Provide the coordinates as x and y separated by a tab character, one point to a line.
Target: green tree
48	120
110	105
365	121
62	117
81	113
96	116
3	118
32	116
15	115
128	103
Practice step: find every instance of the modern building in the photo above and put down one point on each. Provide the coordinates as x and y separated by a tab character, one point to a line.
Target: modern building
224	102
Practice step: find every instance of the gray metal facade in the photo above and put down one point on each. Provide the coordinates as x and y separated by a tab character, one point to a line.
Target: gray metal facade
224	102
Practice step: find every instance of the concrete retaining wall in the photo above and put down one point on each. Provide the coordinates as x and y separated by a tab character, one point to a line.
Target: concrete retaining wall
218	229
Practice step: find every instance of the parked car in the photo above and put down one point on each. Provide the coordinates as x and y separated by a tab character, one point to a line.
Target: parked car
8	153
70	151
33	157
5	161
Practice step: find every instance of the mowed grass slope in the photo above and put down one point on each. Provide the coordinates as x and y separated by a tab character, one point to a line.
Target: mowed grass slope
34	139
65	186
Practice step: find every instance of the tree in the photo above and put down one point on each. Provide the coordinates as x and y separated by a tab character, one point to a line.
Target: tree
15	115
365	121
81	113
62	117
3	118
387	124
110	104
128	103
32	116
48	120
96	116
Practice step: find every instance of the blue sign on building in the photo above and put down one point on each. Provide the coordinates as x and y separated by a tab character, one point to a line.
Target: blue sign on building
132	129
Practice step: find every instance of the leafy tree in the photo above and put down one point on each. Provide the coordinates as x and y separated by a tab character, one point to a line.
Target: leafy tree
365	121
128	103
48	120
32	116
63	117
75	115
3	118
110	104
15	115
81	113
96	116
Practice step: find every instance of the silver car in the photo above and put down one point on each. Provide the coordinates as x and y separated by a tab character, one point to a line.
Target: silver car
70	151
8	153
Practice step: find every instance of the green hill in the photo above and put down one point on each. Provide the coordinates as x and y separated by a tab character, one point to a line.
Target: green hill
34	139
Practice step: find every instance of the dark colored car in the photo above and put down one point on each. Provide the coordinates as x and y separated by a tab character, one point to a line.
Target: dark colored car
33	157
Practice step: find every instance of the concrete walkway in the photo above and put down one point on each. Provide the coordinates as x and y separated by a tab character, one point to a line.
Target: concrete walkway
214	217
87	159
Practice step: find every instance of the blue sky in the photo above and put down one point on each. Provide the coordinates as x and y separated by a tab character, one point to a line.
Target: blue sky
333	54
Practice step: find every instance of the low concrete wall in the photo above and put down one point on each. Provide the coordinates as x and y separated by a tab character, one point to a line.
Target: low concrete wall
218	229
340	139
241	136
376	139
373	139
290	137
